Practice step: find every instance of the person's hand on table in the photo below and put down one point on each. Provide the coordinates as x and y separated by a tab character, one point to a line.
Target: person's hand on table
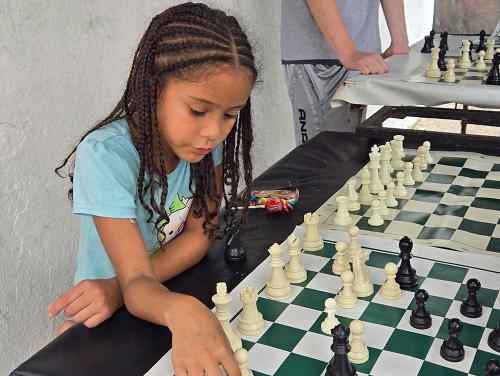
199	345
396	49
364	62
89	302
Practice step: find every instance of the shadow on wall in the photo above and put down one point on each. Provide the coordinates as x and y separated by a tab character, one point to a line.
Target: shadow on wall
466	16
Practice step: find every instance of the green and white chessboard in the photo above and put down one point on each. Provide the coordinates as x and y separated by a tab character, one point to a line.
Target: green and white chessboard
457	206
293	344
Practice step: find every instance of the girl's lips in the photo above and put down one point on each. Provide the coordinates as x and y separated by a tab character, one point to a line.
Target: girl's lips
202	151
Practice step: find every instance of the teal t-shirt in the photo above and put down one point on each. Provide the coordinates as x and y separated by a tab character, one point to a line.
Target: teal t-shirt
105	185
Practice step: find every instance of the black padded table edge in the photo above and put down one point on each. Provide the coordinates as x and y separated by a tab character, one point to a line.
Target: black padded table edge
125	345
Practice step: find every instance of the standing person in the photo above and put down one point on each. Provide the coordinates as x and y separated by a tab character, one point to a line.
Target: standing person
149	180
324	42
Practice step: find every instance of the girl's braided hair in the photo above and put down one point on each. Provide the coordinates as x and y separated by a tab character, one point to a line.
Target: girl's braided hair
180	42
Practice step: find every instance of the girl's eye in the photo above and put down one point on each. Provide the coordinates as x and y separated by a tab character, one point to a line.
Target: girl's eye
197	113
231	116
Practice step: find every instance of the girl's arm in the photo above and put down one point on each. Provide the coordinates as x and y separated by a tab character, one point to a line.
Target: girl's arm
394	11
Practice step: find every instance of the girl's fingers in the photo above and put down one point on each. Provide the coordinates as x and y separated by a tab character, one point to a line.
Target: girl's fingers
65	326
62	301
77	305
85	314
95	320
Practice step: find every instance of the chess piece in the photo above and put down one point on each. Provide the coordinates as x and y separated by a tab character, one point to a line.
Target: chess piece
390	290
492	367
427	145
385	158
433	70
340	263
426	48
494	339
382	195
346	298
359	351
376	219
342	216
396	161
465	59
417	172
375	184
431	37
480	63
278	287
389	151
406	275
471	47
312	241
250	321
353	247
481	45
449	75
365	197
490	49
234	250
399	138
362	285
330	321
241	357
471	307
494	73
353	204
222	300
408	178
420	318
452	349
400	190
422	153
443	43
390	200
294	270
340	364
441	62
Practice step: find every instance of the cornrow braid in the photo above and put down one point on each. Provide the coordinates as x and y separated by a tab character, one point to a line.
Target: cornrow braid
179	42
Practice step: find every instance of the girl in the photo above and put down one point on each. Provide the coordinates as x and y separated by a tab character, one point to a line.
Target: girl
155	168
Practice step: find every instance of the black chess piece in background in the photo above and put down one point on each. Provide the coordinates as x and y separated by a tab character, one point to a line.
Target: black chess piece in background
443	43
426	48
234	250
431	35
470	50
420	318
406	275
441	61
494	73
494	339
492	367
482	45
471	306
452	348
340	365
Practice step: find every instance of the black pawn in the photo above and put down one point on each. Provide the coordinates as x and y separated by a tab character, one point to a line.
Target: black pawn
234	250
426	48
340	365
471	306
492	367
406	275
420	318
443	43
431	35
452	349
494	339
482	45
441	62
494	73
470	50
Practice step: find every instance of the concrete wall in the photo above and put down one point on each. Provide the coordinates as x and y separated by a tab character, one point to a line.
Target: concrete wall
63	66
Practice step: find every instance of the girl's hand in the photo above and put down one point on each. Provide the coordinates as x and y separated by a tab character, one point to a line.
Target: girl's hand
395	49
364	62
89	302
199	345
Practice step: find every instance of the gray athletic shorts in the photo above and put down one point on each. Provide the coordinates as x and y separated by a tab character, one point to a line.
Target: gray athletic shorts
311	88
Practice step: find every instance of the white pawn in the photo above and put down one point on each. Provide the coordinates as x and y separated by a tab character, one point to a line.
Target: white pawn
241	357
340	263
396	162
428	155
408	178
382	196
294	270
390	200
400	188
365	197
353	203
250	321
330	321
346	298
417	172
312	241
362	285
278	287
359	351
449	75
342	216
222	300
376	219
354	245
391	290
480	64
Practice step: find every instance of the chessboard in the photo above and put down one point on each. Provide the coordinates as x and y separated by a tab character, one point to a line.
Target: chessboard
456	206
292	342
